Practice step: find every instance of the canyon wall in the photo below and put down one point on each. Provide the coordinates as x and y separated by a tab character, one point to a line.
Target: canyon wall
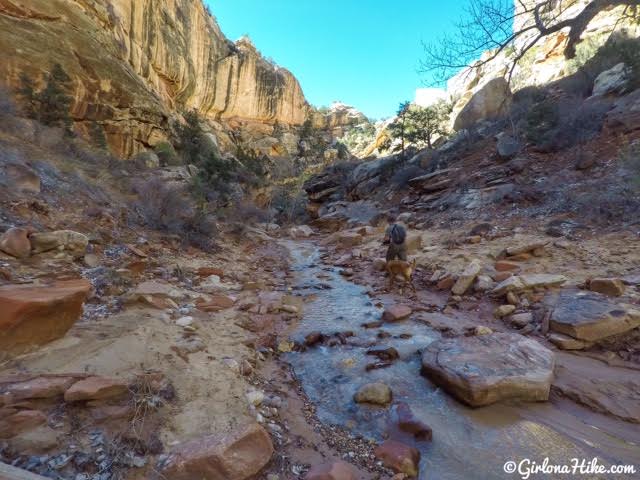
135	64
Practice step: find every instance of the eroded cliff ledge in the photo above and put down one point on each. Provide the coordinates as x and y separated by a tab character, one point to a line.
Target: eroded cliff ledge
136	63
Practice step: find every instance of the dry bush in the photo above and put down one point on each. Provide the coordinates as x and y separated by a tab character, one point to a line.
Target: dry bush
170	210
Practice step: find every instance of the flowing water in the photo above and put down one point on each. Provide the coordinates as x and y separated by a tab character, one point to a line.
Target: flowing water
467	443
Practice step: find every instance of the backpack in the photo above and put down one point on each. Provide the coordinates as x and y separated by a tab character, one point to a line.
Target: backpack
398	234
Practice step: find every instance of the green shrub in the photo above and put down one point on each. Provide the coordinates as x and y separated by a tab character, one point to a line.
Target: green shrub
542	118
167	154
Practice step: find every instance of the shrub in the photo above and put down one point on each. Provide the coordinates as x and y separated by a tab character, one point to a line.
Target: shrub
7	107
254	165
212	183
167	154
168	209
98	138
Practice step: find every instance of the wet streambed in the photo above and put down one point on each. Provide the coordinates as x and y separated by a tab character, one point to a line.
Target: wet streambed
467	443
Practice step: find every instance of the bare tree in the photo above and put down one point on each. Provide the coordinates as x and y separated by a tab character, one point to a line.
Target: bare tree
497	25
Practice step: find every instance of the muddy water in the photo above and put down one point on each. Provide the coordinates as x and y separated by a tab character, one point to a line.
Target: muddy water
467	443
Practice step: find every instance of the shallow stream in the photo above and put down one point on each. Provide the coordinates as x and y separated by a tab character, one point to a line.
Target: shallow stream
467	443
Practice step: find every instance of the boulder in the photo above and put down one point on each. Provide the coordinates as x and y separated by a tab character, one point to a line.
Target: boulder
34	315
525	248
503	311
466	279
520	283
376	393
483	283
349	239
15	242
490	102
37	388
613	287
521	320
21	421
59	240
614	80
395	313
592	316
565	342
215	303
399	457
482	370
241	455
413	242
96	388
625	115
506	266
507	146
332	471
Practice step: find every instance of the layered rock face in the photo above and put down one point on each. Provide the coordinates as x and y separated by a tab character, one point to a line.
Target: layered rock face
135	63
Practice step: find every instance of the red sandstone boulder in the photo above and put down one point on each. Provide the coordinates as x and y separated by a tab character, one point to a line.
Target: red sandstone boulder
96	388
21	421
238	456
332	471
407	422
399	457
15	242
35	388
34	315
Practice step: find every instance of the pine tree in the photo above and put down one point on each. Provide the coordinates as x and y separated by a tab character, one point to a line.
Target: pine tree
54	103
96	131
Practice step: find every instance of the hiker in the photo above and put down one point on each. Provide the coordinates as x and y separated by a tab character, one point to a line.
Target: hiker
395	236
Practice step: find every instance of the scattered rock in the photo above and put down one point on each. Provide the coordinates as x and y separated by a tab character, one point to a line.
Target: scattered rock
481	229
446	283
96	388
395	313
332	471
22	178
349	239
15	242
512	299
238	456
208	271
376	393
300	231
407	422
69	240
399	457
613	287
215	303
386	354
35	315
184	321
591	316
506	266
484	283
482	330
485	369
521	320
379	264
35	441
525	248
503	311
466	279
528	282
313	338
566	342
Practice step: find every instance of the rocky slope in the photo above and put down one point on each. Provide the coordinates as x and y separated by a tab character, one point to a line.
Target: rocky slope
135	64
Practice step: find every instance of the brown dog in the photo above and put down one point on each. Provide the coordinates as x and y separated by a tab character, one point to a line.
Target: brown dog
401	267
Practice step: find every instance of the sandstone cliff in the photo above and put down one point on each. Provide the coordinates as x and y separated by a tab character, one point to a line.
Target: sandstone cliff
136	63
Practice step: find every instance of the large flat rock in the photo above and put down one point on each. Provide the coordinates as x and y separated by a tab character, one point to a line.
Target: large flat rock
34	315
486	369
591	316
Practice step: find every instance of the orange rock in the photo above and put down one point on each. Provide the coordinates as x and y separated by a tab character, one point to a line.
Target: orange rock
34	315
395	313
238	456
613	287
332	471
506	266
21	421
96	388
399	457
520	257
208	271
15	242
501	276
215	303
446	283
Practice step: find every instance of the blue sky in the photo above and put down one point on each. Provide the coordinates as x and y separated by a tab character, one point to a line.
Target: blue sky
361	52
